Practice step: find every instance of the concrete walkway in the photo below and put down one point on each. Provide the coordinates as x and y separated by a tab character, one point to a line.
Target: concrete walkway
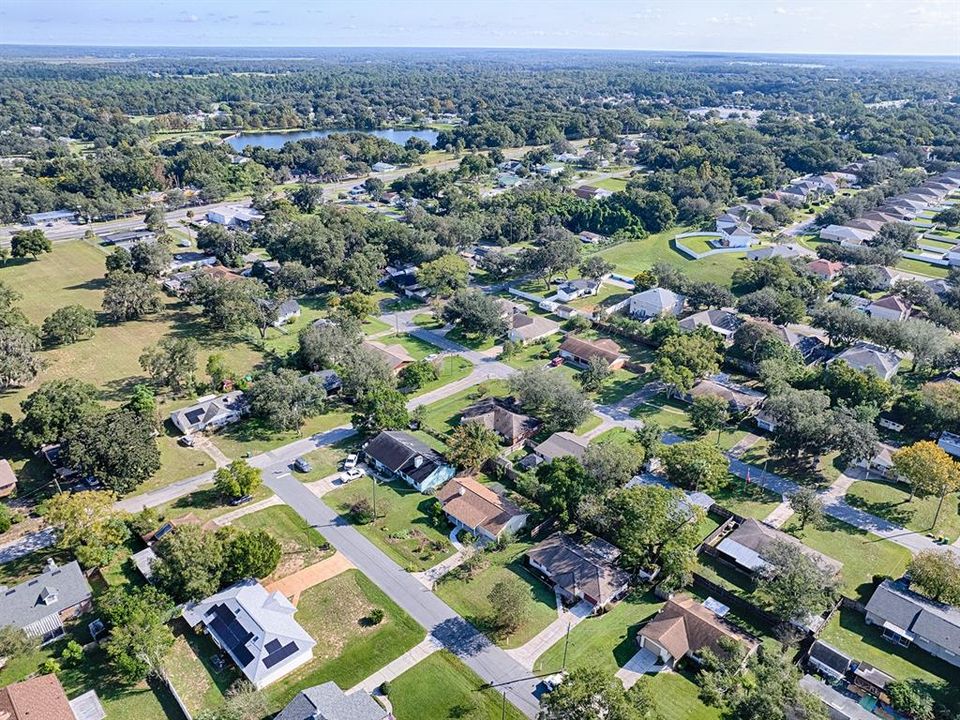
528	653
294	584
427	647
229	517
324	485
205	445
637	666
780	514
430	576
745	443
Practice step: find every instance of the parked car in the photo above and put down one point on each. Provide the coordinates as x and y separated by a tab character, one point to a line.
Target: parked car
241	500
553	681
350	461
556	361
351	475
187	441
302	465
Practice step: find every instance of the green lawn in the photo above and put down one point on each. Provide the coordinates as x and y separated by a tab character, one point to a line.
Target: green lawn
428	321
249	436
349	646
677	698
746	500
469	340
921	268
606	641
592	421
301	545
849	633
206	503
698	243
403	528
943	245
613	184
441	686
372	326
822	470
670	414
863	554
198	683
468	596
892	502
606	296
284	339
176	463
619	385
534	355
444	415
451	369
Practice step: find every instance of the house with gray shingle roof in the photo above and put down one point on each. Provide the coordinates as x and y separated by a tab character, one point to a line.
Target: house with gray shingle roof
41	605
866	357
329	702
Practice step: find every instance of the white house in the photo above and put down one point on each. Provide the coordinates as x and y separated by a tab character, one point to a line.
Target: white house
210	412
256	629
953	255
950	443
655	302
382	167
573	289
846	235
890	307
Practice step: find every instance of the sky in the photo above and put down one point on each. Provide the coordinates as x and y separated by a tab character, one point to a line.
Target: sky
873	27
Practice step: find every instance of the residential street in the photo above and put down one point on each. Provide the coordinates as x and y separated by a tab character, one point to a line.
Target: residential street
453	632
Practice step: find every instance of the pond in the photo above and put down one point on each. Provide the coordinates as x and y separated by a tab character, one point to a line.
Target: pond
276	140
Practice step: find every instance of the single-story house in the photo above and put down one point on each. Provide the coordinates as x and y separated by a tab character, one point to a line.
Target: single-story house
655	302
329	378
530	328
866	357
837	705
234	217
949	443
189	261
504	419
478	509
256	629
825	269
737	237
395	356
723	322
42	604
787	252
882	461
210	412
404	456
573	289
739	399
42	698
953	255
868	224
685	628
890	307
329	702
128	238
50	217
581	571
590	192
579	351
53	455
846	235
382	167
405	281
508	308
590	238
8	480
561	444
745	545
908	618
829	661
286	310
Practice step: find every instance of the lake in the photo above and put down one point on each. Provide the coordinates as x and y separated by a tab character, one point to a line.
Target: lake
276	140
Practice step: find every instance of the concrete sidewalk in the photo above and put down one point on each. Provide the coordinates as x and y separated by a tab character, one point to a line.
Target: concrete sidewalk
229	517
427	647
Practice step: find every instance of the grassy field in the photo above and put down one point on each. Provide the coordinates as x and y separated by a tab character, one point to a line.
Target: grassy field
921	268
349	646
469	596
403	528
863	555
670	414
613	184
892	502
746	500
198	683
176	463
823	470
606	296
249	436
848	632
677	698
605	641
300	544
325	461
441	686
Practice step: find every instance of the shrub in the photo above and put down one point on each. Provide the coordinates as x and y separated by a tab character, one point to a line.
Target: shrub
376	616
385	687
49	667
72	654
361	511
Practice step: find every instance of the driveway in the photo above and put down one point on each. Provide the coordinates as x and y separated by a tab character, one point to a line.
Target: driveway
27	544
449	629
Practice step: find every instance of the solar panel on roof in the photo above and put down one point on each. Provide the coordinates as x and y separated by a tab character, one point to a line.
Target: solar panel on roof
231	633
272	646
282	654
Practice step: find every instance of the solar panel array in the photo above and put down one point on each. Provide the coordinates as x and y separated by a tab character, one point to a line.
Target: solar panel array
231	633
281	653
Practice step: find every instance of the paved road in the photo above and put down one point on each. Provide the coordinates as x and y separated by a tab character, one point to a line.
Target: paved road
26	545
453	632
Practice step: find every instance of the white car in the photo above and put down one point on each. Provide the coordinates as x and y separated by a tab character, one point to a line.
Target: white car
350	461
351	475
553	681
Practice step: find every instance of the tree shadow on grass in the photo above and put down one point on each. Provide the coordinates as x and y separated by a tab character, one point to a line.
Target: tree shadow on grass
899	513
99	283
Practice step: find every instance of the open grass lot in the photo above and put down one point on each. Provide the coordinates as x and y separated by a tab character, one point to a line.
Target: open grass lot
632	257
863	555
698	243
249	436
469	596
746	500
283	340
403	528
198	683
73	274
176	463
613	184
349	647
670	414
450	369
470	340
606	641
592	421
848	632
619	385
440	687
139	701
301	545
206	503
533	355
921	268
607	295
444	415
892	502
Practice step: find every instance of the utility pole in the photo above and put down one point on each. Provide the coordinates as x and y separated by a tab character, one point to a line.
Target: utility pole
566	644
503	707
373	478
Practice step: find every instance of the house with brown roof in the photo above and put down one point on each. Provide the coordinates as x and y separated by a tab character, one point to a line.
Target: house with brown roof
825	269
581	571
525	329
890	307
43	698
747	544
739	399
8	480
478	509
685	628
580	351
395	356
504	418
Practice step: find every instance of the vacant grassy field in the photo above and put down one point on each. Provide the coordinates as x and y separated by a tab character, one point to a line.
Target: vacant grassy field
450	369
441	686
848	632
251	437
892	502
176	463
613	184
403	528
605	641
325	461
670	414
469	596
301	545
349	646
